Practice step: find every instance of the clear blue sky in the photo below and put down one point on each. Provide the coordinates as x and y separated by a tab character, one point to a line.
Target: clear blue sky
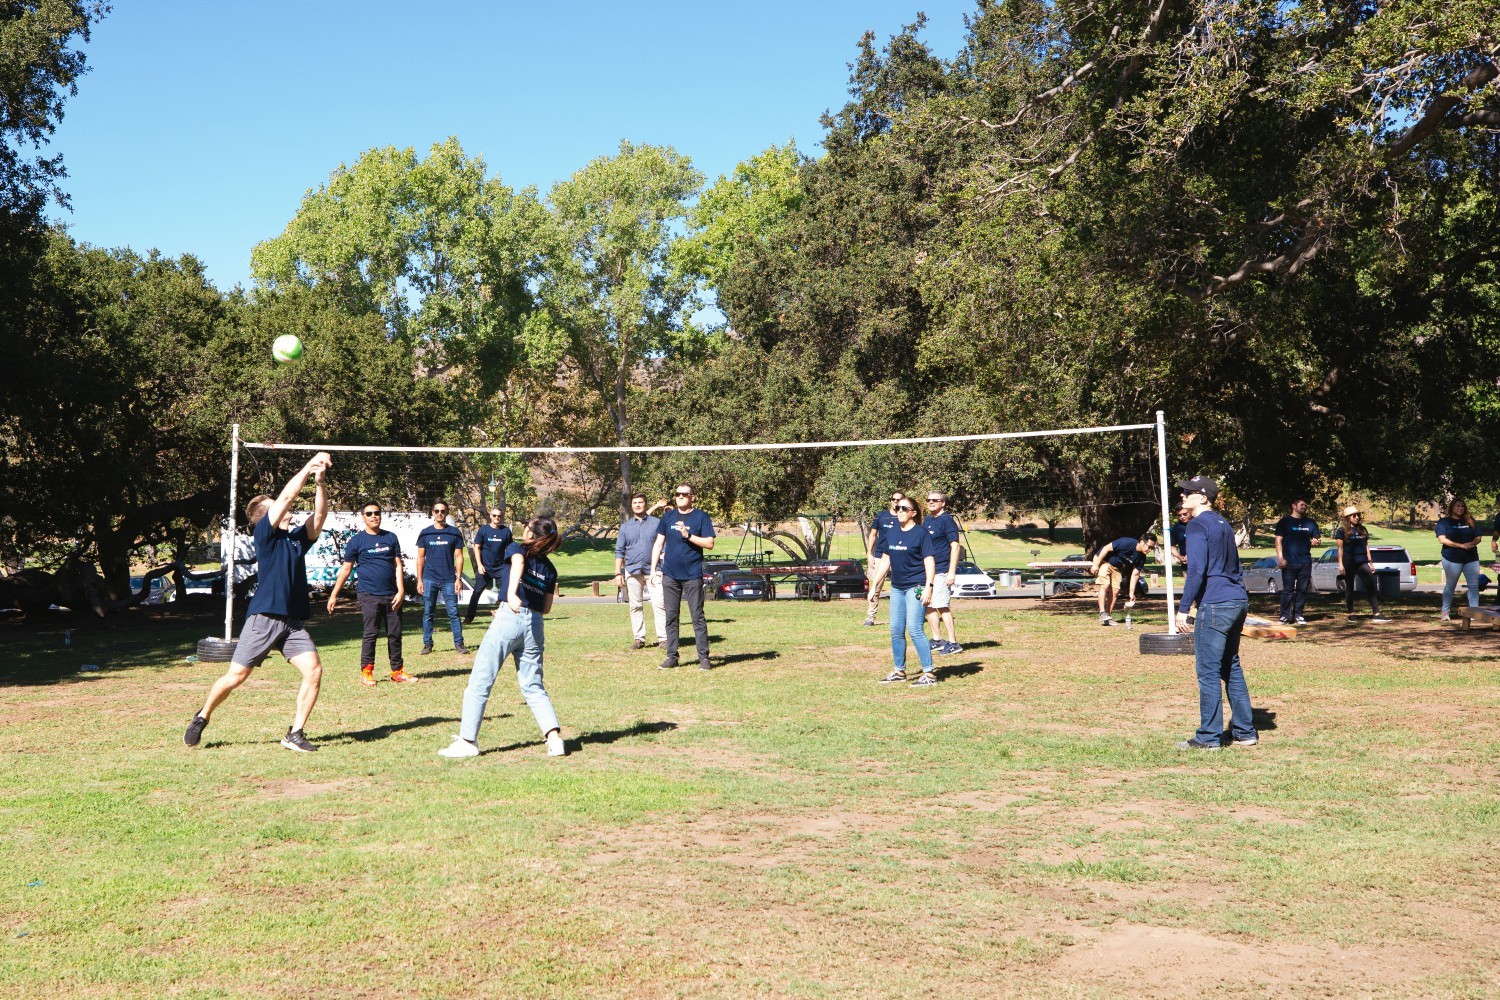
201	125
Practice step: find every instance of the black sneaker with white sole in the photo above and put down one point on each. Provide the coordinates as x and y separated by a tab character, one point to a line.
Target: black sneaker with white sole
195	730
296	740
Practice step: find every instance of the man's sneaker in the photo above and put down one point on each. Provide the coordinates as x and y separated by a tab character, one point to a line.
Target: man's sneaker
195	730
1284	621
555	745
1106	620
894	677
1248	742
1380	620
869	619
705	664
296	740
638	644
926	680
668	665
367	675
1301	620
1195	745
402	677
460	747
427	649
461	649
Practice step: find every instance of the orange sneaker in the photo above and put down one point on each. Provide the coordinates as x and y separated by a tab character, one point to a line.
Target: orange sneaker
402	677
367	674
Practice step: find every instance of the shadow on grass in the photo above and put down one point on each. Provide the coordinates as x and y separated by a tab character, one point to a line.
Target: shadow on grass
1263	719
428	675
982	644
602	738
381	732
765	654
953	671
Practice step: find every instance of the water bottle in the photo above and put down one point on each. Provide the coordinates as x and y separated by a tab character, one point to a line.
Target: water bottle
1127	620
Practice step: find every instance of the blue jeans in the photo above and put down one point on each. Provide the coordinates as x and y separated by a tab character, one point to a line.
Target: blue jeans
510	634
907	617
1216	650
1451	573
432	592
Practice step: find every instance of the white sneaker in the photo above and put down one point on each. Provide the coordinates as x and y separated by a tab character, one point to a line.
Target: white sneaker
460	747
555	745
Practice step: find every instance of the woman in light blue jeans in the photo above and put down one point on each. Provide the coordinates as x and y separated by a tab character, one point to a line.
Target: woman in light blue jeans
1460	538
909	561
527	582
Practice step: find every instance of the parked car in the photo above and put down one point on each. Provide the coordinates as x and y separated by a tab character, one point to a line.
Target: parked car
738	585
1262	576
162	589
1081	573
971	581
713	567
846	578
1328	576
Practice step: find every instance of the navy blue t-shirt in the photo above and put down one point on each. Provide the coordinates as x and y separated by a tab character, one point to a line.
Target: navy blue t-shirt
374	556
1356	545
1296	534
1458	531
492	543
1177	536
943	531
1213	564
538	578
881	522
1124	555
906	551
281	572
441	544
681	559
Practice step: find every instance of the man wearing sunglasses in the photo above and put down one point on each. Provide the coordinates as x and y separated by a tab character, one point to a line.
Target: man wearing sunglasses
874	549
1214	584
381	588
440	570
488	549
943	531
682	537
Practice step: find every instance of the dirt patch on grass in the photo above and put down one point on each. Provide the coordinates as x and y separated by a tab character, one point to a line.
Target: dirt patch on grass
300	788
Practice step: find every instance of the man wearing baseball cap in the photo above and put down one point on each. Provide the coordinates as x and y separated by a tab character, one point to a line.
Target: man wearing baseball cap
1214	584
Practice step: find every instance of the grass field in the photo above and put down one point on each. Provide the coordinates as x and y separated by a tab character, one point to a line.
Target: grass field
782	826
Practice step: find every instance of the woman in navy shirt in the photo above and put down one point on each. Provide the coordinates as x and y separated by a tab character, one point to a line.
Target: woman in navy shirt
1460	537
1353	540
527	584
909	561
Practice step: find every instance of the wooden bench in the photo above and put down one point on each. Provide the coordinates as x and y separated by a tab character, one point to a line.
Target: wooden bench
1485	616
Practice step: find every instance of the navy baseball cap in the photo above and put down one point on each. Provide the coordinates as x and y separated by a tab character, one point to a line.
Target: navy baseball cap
1200	484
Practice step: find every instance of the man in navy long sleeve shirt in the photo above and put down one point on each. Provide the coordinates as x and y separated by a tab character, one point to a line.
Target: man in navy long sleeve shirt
1214	584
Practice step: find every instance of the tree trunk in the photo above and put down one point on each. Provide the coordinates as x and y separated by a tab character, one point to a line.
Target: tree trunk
1102	524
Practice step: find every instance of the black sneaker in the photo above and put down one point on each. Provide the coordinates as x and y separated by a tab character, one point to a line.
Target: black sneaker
461	650
295	740
195	730
638	644
1195	745
427	649
926	680
705	665
668	665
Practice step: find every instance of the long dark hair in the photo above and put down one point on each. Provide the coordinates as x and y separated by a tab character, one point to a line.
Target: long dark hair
1468	515
1352	530
544	537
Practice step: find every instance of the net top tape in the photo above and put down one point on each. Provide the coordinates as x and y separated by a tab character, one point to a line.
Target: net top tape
751	446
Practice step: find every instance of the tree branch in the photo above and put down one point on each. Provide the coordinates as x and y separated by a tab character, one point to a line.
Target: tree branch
1438	109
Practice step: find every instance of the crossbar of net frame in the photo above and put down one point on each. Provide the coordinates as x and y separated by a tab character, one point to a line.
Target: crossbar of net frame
1159	426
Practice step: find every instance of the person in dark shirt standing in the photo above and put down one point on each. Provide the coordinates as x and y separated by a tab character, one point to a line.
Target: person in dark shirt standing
1296	534
874	549
440	568
1214	584
943	530
1460	538
682	537
1117	568
381	590
1353	540
277	613
911	561
488	549
1177	536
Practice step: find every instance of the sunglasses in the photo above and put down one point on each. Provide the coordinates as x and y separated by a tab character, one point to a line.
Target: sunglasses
904	506
684	494
372	513
440	510
934	500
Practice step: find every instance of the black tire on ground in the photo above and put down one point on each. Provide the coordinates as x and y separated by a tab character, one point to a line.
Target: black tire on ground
216	650
1165	644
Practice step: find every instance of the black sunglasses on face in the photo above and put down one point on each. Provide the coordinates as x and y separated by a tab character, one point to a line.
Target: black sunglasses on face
684	494
372	513
905	507
440	510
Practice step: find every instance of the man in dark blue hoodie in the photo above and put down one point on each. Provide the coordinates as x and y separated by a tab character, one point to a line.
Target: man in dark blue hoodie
1213	583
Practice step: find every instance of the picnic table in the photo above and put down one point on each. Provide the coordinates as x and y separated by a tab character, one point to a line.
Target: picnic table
1049	570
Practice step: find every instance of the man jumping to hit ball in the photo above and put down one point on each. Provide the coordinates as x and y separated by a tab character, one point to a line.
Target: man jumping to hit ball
280	605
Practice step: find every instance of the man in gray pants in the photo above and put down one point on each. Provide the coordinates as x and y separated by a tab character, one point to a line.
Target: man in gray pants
632	566
682	537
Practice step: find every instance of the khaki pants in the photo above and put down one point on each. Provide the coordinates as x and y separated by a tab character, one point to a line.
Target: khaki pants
637	588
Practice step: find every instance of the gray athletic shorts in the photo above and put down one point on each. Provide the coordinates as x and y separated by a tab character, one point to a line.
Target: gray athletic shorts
263	633
941	596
